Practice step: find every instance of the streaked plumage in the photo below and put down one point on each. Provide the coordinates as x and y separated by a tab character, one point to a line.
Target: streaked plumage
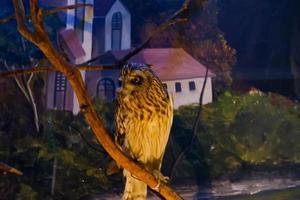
143	121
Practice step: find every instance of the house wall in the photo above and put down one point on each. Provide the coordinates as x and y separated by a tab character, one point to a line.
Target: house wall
98	39
93	77
126	26
189	97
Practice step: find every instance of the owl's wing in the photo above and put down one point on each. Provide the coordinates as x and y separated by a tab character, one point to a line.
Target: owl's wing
120	129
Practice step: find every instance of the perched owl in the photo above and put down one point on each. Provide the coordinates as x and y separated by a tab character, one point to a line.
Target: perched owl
143	121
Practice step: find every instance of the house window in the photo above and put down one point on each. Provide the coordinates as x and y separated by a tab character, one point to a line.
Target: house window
106	89
178	87
116	31
192	85
60	82
60	91
80	20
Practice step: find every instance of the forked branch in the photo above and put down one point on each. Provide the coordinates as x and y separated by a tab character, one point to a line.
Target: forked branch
41	39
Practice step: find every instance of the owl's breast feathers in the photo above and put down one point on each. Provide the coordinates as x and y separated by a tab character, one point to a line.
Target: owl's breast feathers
144	121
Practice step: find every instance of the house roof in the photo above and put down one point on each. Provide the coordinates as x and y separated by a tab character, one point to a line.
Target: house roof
168	63
71	41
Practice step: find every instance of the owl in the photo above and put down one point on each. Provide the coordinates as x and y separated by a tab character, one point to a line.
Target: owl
143	121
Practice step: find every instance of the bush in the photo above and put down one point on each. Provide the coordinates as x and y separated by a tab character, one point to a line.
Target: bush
65	143
237	130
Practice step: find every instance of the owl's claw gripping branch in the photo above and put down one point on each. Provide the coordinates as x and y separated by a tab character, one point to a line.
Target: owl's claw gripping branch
160	177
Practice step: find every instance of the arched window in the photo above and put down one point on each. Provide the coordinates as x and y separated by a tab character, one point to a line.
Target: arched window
106	89
116	31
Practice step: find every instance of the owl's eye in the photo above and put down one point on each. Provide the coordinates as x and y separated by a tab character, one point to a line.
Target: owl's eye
136	80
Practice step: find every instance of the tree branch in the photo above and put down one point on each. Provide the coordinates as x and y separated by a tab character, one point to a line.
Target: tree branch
160	29
49	12
195	127
7	19
169	22
70	7
4	168
20	17
41	39
52	69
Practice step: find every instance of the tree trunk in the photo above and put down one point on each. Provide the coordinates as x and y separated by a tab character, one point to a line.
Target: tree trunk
33	104
54	169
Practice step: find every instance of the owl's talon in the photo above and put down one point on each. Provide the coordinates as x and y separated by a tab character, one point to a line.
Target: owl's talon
160	177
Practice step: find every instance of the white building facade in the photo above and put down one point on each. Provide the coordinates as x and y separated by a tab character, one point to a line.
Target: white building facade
187	91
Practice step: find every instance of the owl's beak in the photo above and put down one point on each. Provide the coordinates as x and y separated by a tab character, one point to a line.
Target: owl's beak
119	90
124	91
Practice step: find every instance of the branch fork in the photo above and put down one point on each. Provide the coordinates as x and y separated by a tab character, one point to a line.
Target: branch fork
40	38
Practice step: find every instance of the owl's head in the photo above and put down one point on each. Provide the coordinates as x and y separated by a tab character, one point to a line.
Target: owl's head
136	77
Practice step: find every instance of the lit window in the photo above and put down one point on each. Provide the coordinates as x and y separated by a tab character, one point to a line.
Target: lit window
192	85
106	89
116	32
178	87
60	86
60	82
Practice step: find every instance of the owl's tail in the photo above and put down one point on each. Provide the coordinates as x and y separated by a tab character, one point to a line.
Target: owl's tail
134	189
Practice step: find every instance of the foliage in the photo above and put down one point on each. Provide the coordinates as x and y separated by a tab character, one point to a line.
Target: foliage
287	194
26	193
236	130
202	38
67	138
239	130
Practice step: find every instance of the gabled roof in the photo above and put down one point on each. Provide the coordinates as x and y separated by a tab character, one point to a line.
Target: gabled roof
168	63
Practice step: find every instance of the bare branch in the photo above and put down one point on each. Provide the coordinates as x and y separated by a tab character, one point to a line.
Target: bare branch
70	7
4	168
184	7
169	22
7	19
160	29
49	12
51	69
195	127
20	17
